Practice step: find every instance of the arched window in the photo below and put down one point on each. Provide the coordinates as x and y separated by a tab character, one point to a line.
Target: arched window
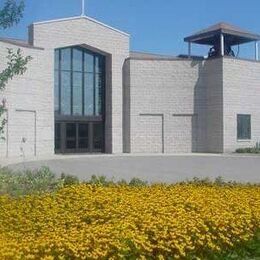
79	82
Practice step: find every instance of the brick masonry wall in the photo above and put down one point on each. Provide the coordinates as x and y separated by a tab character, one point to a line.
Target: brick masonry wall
82	31
30	107
173	105
212	75
241	96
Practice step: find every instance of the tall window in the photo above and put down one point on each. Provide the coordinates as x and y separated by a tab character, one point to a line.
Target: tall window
79	82
243	127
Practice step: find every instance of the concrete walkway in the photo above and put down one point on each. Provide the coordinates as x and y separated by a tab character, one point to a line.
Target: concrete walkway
153	168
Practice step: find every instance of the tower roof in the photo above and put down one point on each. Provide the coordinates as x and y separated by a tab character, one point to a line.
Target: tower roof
233	34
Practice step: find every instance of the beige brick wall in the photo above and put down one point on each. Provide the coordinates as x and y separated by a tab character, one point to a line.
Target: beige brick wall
212	75
30	106
185	94
241	96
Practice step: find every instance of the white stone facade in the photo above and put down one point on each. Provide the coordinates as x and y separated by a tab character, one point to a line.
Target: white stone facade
154	104
29	101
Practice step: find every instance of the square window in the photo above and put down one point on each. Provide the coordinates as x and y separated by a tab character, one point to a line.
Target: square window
244	127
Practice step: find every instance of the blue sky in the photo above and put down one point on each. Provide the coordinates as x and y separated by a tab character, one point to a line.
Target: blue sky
157	26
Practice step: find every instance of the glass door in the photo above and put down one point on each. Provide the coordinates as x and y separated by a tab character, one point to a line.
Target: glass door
79	137
83	137
71	138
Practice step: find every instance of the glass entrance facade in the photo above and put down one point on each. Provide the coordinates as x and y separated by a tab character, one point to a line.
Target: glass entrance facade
79	100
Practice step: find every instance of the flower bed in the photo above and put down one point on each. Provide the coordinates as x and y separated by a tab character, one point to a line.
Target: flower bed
120	221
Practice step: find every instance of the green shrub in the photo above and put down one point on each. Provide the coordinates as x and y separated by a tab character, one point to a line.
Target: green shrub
103	181
44	180
100	180
69	179
27	182
248	150
137	182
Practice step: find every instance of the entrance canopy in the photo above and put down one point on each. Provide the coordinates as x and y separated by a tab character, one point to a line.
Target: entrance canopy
233	35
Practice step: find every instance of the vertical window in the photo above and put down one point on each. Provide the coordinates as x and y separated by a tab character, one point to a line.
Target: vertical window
88	91
89	62
243	127
98	94
77	60
77	93
66	59
99	68
65	93
56	92
57	60
56	82
65	81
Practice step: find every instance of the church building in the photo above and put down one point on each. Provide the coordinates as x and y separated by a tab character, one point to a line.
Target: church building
84	91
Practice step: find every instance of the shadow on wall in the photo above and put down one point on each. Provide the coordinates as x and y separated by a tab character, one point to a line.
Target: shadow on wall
207	124
199	136
126	96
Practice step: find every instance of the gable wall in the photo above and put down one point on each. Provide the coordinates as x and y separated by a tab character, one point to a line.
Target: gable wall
79	31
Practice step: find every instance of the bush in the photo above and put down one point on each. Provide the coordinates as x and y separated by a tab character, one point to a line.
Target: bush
248	150
27	182
103	181
32	181
69	179
137	182
100	181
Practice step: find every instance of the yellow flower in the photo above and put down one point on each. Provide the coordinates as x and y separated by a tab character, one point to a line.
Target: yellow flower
115	222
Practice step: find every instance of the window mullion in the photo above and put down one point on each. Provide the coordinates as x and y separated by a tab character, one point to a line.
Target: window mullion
94	86
83	84
59	80
71	81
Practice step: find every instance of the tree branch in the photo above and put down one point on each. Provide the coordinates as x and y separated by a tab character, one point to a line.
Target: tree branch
11	13
16	66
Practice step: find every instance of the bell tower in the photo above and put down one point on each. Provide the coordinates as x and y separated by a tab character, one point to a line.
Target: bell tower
222	37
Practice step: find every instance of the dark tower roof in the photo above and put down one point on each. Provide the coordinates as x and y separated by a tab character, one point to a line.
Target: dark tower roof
233	35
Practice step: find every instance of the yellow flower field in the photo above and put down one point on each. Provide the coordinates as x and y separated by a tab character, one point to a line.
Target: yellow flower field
115	222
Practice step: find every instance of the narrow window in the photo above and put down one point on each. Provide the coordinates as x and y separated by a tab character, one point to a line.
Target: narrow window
244	127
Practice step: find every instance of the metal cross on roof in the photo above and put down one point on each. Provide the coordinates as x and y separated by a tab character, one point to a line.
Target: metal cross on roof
83	8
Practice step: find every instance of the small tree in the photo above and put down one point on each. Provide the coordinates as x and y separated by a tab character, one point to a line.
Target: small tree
10	15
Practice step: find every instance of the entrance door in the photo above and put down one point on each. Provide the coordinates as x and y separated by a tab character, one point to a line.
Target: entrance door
79	137
76	137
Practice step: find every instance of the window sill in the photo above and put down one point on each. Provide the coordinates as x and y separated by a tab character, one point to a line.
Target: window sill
244	140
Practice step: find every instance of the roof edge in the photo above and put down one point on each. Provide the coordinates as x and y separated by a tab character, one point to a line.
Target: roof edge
19	44
164	59
134	54
249	36
82	17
